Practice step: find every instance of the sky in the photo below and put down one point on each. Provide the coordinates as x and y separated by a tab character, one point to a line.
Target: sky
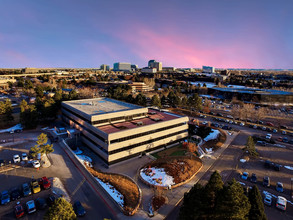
180	33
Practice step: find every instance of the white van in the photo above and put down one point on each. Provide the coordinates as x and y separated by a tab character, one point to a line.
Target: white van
281	203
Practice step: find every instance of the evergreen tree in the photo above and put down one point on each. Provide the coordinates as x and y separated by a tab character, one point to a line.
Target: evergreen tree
192	207
257	208
232	203
195	101
212	190
61	209
8	111
155	101
28	115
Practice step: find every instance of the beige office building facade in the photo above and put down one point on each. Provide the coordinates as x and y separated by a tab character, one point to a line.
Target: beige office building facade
117	131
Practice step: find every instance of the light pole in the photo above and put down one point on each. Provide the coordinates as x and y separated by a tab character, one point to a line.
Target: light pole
12	132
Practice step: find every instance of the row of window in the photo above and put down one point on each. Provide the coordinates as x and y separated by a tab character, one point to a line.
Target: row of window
83	127
111	120
145	142
145	133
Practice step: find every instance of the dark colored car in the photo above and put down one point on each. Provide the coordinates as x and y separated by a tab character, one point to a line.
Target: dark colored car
79	209
41	203
268	164
283	127
50	200
44	183
18	211
285	140
253	178
5	198
15	194
277	167
266	181
26	190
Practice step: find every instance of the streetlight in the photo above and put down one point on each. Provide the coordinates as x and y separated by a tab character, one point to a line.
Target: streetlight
12	132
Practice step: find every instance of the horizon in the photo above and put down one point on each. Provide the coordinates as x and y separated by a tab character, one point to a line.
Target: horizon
181	34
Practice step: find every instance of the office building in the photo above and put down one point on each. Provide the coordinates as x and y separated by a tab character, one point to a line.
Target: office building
117	130
148	70
122	67
155	64
105	67
208	69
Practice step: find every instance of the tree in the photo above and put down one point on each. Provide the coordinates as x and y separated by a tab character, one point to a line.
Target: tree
61	209
28	115
155	101
192	204
232	203
140	99
250	146
195	101
41	146
8	111
257	208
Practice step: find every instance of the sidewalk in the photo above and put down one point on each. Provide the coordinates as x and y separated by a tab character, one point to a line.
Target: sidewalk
177	194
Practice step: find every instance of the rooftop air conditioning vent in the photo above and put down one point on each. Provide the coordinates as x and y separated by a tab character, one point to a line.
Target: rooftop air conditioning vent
153	113
157	119
139	123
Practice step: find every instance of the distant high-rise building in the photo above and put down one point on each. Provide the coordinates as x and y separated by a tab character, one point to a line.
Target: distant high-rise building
122	67
134	67
105	67
155	64
208	69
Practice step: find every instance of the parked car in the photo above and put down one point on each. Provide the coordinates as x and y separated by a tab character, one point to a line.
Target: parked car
26	190
18	210
15	194
36	164
31	207
253	178
50	200
281	203
35	186
268	200
5	197
291	141
16	158
44	183
262	143
270	124
264	128
79	209
284	132
41	203
275	130
24	157
242	124
254	127
280	139
279	187
266	181
269	136
277	167
268	164
244	175
285	140
283	127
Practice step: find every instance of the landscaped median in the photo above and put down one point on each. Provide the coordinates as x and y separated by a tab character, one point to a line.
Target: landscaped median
170	171
121	188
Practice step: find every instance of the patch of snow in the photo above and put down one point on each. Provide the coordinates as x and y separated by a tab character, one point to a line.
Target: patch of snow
77	151
241	183
288	167
156	176
18	126
242	160
213	135
280	145
114	193
85	159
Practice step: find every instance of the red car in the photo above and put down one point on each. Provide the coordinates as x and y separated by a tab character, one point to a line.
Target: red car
44	183
270	124
18	210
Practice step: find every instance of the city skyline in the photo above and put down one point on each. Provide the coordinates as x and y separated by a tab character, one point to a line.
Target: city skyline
223	34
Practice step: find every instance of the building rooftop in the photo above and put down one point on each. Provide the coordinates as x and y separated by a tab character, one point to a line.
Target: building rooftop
99	106
254	91
154	116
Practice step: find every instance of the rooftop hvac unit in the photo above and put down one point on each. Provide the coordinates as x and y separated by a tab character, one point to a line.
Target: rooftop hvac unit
139	123
157	119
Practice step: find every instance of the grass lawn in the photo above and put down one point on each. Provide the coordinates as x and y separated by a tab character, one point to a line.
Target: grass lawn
177	150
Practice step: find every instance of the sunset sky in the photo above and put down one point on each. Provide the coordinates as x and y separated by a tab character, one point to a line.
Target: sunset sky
180	33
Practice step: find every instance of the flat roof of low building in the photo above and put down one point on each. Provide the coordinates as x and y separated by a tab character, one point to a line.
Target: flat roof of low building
154	116
254	91
99	106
